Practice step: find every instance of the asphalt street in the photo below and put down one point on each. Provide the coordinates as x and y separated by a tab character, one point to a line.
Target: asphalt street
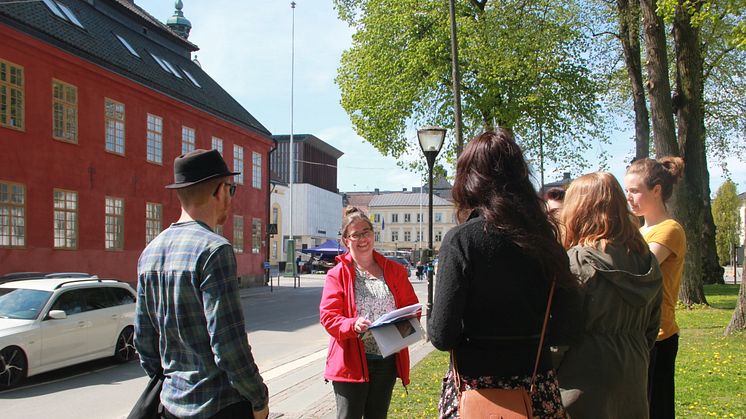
287	341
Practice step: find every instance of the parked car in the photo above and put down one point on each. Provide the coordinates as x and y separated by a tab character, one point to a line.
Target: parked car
50	323
400	260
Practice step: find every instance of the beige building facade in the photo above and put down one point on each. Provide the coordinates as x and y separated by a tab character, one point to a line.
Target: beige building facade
400	220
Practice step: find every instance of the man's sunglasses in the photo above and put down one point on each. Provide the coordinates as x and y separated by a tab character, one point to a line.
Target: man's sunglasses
231	190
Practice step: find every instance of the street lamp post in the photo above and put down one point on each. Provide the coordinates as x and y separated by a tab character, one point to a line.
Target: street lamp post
431	141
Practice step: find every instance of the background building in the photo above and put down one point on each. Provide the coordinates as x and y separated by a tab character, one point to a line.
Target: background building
316	201
98	98
401	219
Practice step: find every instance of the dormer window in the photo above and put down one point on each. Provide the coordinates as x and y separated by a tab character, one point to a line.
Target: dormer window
63	12
127	45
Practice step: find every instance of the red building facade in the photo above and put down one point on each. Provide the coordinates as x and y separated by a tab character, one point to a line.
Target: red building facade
69	201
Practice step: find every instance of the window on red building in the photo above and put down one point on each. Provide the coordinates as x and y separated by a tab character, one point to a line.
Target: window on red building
217	144
114	126
65	219
155	139
238	163
12	214
11	95
64	111
114	230
256	235
153	222
238	233
187	140
256	170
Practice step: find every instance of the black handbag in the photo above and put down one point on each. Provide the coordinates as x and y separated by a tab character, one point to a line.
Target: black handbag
147	406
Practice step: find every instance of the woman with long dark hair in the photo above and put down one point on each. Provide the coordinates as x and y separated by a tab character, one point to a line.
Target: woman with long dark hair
495	273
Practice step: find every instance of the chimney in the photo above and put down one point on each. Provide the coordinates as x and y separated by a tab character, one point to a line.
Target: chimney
377	192
566	176
403	189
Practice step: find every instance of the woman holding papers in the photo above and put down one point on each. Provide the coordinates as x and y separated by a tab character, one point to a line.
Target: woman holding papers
362	287
495	273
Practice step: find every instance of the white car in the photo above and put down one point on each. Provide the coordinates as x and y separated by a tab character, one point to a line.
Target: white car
50	323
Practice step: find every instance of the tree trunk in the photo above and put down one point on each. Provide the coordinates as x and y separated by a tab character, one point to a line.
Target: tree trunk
691	136
712	272
629	35
738	321
659	86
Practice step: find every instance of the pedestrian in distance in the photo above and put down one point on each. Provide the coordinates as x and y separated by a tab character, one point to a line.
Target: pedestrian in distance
495	272
189	324
420	270
649	185
363	286
604	374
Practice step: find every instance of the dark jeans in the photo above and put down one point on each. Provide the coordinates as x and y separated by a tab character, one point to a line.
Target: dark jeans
367	400
236	410
661	378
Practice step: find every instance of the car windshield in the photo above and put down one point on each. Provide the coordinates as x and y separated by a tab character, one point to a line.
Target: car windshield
21	303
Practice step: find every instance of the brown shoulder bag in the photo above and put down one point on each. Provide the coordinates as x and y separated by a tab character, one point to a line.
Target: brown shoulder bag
500	403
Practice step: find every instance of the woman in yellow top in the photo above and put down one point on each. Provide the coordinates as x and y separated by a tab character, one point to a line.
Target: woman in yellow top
649	184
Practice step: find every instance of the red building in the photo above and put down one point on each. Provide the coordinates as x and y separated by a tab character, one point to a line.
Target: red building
96	100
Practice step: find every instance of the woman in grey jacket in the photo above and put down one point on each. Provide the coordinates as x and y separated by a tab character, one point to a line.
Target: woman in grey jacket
604	374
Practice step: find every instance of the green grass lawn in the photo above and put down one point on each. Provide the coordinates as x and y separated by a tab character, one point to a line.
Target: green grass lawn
710	368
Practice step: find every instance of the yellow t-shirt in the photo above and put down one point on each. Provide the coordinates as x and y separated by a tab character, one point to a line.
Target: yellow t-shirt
670	235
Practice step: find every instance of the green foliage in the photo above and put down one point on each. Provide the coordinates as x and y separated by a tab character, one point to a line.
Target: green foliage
523	65
710	372
725	212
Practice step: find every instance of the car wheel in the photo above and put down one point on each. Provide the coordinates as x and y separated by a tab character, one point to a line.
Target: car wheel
125	349
13	367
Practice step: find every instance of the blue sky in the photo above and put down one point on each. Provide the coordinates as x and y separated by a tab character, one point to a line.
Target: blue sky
246	47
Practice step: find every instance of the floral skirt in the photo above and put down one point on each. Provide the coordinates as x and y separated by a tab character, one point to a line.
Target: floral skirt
547	402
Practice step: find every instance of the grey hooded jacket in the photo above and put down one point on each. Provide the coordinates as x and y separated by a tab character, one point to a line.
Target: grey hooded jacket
604	373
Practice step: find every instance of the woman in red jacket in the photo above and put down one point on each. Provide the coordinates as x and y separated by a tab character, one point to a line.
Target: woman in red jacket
363	286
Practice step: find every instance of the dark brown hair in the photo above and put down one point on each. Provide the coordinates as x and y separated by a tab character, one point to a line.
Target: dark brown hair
351	215
492	178
596	213
665	171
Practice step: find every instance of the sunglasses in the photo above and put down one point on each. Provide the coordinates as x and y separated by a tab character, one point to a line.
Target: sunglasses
231	190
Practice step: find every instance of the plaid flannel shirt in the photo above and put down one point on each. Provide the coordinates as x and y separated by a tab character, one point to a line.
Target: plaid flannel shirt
189	323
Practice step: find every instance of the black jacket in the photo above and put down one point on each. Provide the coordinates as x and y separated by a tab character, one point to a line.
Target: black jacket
489	303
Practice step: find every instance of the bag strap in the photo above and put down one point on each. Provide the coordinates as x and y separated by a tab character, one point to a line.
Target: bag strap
538	352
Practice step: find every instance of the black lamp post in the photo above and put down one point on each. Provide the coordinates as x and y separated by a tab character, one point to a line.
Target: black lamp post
431	141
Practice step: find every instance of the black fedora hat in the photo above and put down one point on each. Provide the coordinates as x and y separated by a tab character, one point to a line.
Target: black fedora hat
198	166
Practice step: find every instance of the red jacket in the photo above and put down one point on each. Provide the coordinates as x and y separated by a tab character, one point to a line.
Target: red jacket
346	360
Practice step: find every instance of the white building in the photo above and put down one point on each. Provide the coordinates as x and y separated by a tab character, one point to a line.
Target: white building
316	218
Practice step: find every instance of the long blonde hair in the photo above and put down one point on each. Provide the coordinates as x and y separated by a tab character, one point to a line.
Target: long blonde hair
596	213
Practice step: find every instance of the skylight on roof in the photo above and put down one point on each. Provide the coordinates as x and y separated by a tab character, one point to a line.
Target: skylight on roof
160	62
70	15
62	12
127	45
170	67
191	78
165	65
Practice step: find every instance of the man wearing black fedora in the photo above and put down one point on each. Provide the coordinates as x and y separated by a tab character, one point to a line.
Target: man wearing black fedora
189	324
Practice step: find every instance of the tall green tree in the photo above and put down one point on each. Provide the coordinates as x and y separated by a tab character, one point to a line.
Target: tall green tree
522	63
725	212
